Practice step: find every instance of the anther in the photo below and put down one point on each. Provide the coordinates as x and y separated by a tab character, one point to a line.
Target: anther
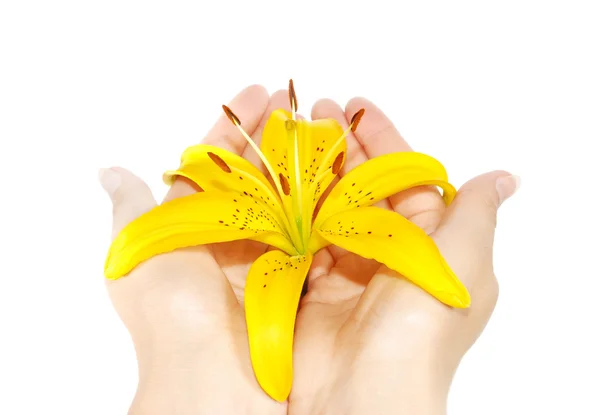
285	185
232	117
219	162
337	164
356	119
292	95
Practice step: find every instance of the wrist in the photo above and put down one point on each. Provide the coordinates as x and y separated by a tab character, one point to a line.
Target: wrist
202	380
417	385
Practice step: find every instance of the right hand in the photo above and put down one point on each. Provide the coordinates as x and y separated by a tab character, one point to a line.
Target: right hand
370	342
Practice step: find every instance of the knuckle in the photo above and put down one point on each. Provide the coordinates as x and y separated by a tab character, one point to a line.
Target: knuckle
484	202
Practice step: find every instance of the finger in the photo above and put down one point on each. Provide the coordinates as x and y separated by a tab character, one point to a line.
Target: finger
130	196
378	136
376	132
278	100
249	106
323	262
467	231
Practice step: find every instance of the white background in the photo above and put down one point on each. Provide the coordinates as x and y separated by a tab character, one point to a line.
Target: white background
479	85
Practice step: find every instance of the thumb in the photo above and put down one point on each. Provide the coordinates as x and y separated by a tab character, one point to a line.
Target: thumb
467	230
130	196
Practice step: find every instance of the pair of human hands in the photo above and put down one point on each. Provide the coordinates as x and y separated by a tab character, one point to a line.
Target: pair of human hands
366	340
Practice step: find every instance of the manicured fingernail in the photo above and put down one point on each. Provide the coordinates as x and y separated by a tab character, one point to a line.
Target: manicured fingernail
110	180
507	186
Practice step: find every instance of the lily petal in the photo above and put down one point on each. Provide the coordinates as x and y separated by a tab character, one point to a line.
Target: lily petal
198	219
198	166
309	171
213	168
382	177
315	140
393	240
272	294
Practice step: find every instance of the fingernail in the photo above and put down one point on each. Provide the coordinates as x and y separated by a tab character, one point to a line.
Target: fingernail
110	180
507	186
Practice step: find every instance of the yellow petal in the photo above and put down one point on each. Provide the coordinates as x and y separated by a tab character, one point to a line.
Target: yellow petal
309	170
197	166
273	289
231	174
382	177
315	141
198	219
393	240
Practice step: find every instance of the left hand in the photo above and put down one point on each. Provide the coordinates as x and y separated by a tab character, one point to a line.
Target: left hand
184	309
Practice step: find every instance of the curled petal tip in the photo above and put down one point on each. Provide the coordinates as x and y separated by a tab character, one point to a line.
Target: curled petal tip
460	301
279	394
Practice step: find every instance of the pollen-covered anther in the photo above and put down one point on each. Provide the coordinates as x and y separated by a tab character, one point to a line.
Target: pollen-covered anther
292	95
232	117
356	119
285	185
219	162
337	163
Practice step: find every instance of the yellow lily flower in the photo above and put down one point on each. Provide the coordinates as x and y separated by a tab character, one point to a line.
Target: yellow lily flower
239	202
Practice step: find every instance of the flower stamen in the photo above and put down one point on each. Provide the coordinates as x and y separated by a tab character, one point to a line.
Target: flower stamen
322	170
293	99
337	163
232	117
356	119
285	185
219	162
236	121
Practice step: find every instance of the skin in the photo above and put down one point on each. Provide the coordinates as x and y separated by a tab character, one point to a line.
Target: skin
366	341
